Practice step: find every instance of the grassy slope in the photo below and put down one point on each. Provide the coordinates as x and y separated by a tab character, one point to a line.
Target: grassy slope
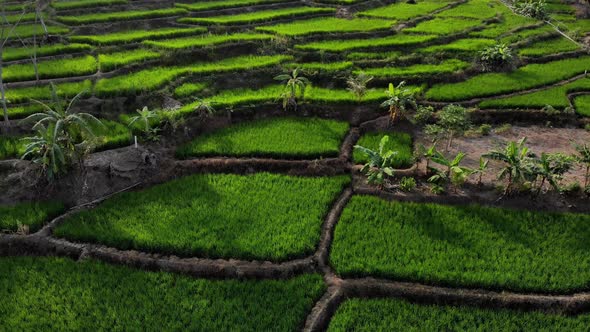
260	216
30	214
463	246
57	294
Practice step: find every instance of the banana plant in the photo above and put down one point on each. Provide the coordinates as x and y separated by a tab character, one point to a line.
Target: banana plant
380	163
453	172
517	163
295	86
399	100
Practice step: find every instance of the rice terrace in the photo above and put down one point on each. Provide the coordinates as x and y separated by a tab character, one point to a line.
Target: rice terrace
285	165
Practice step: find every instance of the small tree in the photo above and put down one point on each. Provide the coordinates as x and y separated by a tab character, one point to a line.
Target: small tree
452	120
532	8
583	157
358	85
496	58
380	163
517	163
295	86
399	100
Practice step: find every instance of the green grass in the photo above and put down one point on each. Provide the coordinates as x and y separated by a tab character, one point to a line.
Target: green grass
79	66
468	246
262	216
311	67
58	294
11	54
22	111
305	138
327	25
112	135
547	47
257	16
405	11
582	105
112	61
137	35
534	32
527	77
205	40
444	26
510	22
399	142
65	5
26	31
189	90
270	94
554	96
366	43
447	66
467	45
368	56
120	16
211	5
154	78
33	215
65	90
401	315
479	9
11	148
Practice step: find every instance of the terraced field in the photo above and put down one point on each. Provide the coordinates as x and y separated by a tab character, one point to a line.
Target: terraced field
247	165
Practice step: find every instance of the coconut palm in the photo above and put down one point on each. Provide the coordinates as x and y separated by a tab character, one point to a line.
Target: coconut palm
399	100
517	163
295	86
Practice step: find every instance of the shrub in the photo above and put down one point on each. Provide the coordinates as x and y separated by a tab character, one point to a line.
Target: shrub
407	184
496	58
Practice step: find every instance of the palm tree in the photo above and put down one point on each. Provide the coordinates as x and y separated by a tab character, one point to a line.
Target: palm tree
45	149
584	158
399	99
358	85
64	120
517	162
295	86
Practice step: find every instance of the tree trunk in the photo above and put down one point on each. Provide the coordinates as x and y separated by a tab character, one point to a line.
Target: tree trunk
586	177
34	57
3	93
450	142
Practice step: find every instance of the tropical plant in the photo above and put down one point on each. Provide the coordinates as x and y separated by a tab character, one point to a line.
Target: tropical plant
481	169
427	154
583	157
399	100
295	86
380	163
452	120
532	8
517	163
496	58
358	85
423	114
144	122
407	184
46	150
453	172
551	167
